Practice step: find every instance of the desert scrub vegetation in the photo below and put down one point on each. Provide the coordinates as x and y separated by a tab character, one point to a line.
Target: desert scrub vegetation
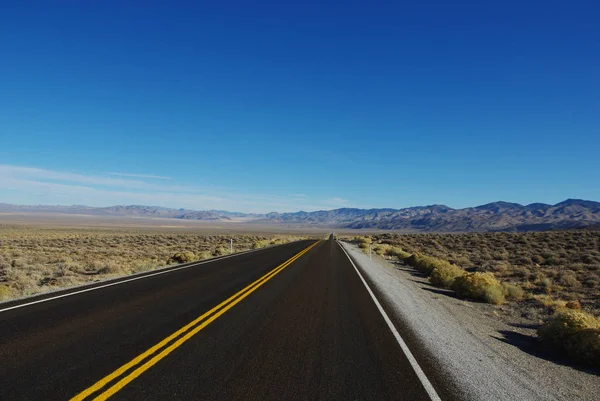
479	286
541	270
575	334
426	264
185	257
36	260
445	275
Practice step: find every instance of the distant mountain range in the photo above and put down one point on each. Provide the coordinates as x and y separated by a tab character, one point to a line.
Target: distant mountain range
497	216
128	211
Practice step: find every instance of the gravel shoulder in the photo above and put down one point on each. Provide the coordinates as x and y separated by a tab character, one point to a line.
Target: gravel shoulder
477	351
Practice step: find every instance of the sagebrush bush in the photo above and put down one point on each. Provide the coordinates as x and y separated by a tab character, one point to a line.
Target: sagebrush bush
143	266
260	244
575	333
110	267
564	323
548	302
381	249
584	347
546	284
479	286
444	275
6	292
569	280
494	295
182	257
513	291
426	264
204	255
220	251
397	252
364	240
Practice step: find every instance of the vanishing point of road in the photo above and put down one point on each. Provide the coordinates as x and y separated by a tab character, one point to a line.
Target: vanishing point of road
291	322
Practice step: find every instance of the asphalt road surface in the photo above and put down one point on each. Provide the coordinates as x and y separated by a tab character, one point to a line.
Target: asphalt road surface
292	322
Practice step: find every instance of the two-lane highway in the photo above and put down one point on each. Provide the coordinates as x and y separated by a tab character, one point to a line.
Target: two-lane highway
292	322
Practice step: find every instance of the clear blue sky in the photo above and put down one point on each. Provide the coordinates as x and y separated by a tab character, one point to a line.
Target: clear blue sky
260	106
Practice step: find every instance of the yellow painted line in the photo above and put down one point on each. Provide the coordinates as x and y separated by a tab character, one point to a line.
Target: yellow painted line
220	309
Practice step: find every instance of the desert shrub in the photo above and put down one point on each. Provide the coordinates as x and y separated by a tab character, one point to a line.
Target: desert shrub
110	267
528	285
513	291
537	259
426	264
463	261
22	282
569	280
381	249
546	284
548	302
575	333
260	244
143	266
397	252
521	260
220	251
520	271
6	292
573	305
552	260
498	267
501	255
364	240
592	280
479	286
494	295
182	257
204	255
564	323
444	275
17	263
584	347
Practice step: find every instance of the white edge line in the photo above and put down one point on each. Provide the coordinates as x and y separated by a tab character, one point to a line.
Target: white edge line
165	270
415	365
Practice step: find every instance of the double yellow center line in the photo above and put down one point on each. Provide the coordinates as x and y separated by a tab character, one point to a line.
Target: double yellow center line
161	350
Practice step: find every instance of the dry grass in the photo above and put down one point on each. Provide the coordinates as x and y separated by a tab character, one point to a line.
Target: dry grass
36	260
